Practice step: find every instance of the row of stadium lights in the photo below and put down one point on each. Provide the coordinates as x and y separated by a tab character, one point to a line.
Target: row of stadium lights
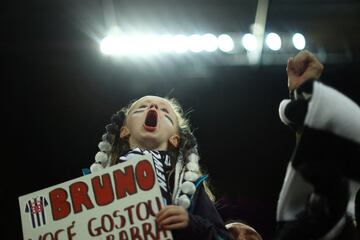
147	44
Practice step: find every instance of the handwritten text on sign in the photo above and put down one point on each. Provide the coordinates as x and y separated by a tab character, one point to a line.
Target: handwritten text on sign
119	202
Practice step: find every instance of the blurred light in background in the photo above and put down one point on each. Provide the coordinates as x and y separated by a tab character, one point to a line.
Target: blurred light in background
117	43
210	42
249	42
228	48
138	44
196	43
108	45
134	45
273	41
165	43
181	43
299	41
226	43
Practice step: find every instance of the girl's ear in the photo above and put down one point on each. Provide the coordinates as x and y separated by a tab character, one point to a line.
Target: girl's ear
174	140
124	132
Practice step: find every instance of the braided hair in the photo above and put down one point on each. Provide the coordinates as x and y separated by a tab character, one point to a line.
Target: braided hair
112	146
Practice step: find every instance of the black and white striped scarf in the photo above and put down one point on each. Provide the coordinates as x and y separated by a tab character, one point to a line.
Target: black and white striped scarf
162	166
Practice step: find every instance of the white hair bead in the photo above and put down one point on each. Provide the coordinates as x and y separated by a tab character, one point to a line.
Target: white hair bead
184	201
108	137
194	158
104	137
101	157
193	166
104	146
188	187
191	176
95	167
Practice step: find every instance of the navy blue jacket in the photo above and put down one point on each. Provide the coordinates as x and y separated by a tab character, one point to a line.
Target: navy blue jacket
205	223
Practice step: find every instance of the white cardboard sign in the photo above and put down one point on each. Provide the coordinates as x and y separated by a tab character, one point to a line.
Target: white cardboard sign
119	202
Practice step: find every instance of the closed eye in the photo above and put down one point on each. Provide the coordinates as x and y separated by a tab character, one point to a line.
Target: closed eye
140	109
164	110
168	117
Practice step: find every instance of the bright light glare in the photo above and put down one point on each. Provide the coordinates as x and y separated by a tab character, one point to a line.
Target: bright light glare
115	31
150	44
299	41
181	44
165	43
209	42
107	44
226	43
250	42
121	45
273	41
140	44
113	45
117	43
195	43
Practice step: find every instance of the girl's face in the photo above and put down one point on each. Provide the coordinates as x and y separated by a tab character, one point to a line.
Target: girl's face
151	123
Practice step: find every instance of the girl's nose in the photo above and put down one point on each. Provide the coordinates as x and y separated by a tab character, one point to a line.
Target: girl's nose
154	106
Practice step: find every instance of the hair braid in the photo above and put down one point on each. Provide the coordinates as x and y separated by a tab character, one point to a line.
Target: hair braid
111	145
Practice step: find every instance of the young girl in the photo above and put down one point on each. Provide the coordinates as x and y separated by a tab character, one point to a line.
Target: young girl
157	125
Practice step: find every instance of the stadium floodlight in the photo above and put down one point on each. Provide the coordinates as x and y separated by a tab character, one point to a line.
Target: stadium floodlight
273	41
299	41
106	45
165	43
210	42
195	43
249	42
113	45
180	43
225	43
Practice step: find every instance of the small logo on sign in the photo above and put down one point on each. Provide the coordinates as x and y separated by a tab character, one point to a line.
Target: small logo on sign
36	209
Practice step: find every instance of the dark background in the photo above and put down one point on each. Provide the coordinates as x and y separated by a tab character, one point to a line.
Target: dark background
60	91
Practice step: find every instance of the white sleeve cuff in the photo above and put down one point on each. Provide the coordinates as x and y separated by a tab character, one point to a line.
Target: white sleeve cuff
282	115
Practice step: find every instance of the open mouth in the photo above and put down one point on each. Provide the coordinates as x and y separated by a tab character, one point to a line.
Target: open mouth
151	121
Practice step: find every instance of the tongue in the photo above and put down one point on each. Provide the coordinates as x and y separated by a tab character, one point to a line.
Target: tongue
151	121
